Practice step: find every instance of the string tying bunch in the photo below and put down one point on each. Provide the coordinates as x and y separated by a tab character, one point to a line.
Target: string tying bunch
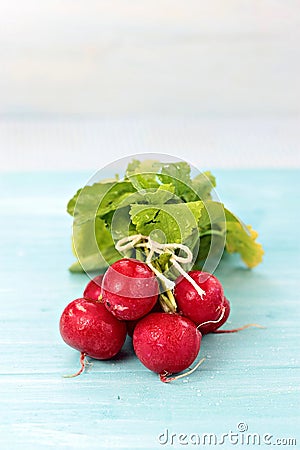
156	248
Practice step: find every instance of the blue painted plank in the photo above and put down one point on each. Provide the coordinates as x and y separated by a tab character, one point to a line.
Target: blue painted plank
250	377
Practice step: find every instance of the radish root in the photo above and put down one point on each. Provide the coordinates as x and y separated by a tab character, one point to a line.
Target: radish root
235	330
83	364
214	321
166	378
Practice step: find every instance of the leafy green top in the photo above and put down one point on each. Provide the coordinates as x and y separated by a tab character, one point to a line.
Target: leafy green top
160	200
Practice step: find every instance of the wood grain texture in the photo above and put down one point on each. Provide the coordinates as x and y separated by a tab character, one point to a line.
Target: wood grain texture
250	377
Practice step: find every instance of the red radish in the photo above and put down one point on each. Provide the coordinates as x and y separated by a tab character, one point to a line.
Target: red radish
212	326
212	307
166	343
131	324
93	288
87	326
129	289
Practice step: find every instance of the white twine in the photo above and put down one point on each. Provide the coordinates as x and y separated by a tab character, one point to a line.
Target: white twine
130	242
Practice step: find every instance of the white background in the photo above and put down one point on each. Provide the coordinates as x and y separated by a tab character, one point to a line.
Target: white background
85	82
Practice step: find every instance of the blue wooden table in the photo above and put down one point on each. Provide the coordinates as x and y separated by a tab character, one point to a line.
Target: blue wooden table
249	379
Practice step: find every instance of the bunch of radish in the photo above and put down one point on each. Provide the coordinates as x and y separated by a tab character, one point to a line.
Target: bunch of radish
125	300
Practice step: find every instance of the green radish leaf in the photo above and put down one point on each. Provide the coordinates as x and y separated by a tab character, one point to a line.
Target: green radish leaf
143	175
116	197
143	167
241	238
203	185
175	221
163	194
178	174
72	202
98	199
84	205
93	246
161	199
